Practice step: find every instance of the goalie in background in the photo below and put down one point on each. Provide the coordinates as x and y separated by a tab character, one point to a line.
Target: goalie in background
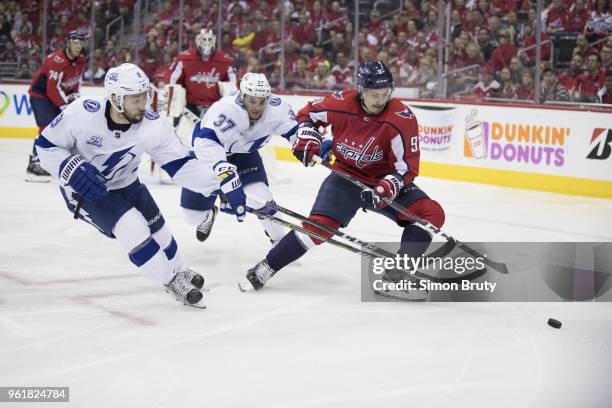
197	78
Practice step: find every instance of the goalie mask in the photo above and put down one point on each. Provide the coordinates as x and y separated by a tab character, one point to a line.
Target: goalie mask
206	42
126	79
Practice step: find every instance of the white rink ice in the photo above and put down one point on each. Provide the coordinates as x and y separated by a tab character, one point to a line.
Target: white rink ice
74	312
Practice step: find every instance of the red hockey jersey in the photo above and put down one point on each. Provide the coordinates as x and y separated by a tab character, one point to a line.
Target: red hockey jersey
368	147
200	77
58	78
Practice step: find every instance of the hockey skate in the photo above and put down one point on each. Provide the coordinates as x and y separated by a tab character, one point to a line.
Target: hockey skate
407	295
203	230
35	173
195	278
184	291
256	277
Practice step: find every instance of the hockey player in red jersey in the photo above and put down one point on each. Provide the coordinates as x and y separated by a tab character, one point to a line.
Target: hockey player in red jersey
204	73
56	83
375	140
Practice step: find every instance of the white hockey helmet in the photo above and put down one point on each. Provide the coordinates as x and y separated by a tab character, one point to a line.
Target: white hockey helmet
206	42
255	84
126	79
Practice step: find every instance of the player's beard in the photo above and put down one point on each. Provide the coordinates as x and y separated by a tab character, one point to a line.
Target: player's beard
373	109
133	119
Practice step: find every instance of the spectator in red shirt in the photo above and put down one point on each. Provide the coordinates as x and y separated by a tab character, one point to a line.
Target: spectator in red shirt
393	52
317	15
10	53
503	7
528	57
526	90
291	56
365	54
569	79
590	81
383	56
23	40
606	57
301	77
488	87
57	40
468	78
376	26
576	19
473	22
323	79
317	57
459	55
582	46
304	33
508	88
503	54
338	44
555	17
605	94
342	71
161	69
410	10
337	17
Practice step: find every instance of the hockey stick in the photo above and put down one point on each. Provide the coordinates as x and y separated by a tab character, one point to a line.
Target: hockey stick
331	241
498	266
440	252
372	250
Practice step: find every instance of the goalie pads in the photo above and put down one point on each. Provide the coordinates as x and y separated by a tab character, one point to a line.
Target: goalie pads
175	98
185	128
227	88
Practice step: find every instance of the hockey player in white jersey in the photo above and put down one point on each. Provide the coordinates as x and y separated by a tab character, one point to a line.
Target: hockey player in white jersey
94	148
228	138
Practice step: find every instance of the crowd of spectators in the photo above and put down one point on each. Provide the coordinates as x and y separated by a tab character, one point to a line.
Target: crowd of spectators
484	55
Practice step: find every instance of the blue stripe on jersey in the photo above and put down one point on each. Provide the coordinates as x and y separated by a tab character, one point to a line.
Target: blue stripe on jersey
43	142
171	249
290	133
175	165
144	252
205	133
258	143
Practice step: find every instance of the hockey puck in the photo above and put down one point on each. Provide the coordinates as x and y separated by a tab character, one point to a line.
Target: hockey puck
554	323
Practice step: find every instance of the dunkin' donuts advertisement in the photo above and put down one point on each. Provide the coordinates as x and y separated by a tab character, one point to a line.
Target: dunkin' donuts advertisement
526	140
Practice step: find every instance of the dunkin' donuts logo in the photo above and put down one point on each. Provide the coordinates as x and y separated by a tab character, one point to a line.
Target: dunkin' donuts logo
514	142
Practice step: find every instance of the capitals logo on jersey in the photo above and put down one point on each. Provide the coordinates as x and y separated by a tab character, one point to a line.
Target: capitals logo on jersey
406	113
210	78
361	157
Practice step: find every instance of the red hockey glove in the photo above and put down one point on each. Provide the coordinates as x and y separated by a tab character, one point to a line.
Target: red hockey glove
307	144
388	187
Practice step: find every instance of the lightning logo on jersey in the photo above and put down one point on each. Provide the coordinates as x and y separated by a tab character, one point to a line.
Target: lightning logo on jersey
116	162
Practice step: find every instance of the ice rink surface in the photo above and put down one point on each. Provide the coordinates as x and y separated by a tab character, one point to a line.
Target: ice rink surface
74	312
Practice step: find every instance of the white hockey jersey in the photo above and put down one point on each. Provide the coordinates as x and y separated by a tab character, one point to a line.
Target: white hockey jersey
83	128
225	128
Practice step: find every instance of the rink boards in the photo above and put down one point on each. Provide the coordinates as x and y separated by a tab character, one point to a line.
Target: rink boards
539	148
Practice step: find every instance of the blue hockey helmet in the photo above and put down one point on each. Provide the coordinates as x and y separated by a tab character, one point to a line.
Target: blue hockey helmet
373	75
